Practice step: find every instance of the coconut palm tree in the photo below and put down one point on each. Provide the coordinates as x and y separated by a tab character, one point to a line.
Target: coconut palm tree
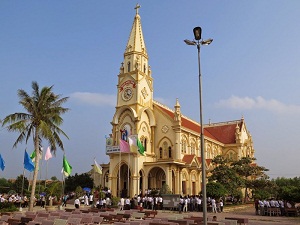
41	121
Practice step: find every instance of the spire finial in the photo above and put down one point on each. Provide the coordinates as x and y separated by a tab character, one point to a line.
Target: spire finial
137	8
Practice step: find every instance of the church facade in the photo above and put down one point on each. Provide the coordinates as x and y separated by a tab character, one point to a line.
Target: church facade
171	141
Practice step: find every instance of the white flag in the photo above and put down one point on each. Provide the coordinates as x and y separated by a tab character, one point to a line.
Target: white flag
132	139
48	154
97	167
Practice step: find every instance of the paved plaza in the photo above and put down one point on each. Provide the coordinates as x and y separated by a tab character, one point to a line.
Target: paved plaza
243	212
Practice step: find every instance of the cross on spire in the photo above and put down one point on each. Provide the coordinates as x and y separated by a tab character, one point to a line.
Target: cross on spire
137	8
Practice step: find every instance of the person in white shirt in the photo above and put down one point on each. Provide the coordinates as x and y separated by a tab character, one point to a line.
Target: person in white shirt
122	202
101	203
160	203
91	199
199	201
214	205
272	203
267	204
127	203
77	203
86	200
221	205
185	202
104	202
108	202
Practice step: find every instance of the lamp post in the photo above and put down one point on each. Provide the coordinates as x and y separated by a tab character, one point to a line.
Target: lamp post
198	42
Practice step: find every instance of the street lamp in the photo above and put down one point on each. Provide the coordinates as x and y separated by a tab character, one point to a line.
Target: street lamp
198	42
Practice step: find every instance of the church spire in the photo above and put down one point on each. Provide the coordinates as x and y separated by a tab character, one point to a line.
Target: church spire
135	85
135	56
136	41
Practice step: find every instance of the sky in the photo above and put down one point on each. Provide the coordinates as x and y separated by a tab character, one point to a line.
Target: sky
250	70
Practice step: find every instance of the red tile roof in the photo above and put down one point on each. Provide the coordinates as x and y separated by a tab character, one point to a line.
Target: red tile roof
208	161
188	158
222	132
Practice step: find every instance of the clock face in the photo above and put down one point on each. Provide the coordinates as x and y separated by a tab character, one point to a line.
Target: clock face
127	94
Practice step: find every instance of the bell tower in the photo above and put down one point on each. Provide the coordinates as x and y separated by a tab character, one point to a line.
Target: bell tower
134	117
135	87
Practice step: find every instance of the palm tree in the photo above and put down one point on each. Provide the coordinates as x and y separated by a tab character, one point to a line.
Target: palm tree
41	121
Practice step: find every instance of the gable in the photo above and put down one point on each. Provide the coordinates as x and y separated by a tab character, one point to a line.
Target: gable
221	132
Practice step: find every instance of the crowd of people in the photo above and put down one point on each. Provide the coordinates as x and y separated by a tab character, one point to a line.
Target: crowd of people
261	206
23	201
194	203
140	201
17	199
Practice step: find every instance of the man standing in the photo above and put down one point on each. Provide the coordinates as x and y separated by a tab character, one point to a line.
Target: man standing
214	205
122	202
91	199
77	203
65	198
127	203
199	201
43	201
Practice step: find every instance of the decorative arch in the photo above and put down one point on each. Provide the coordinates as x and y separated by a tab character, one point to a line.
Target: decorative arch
141	179
184	182
121	110
193	146
214	151
231	154
149	112
165	149
209	154
194	182
115	171
184	143
123	173
194	175
156	177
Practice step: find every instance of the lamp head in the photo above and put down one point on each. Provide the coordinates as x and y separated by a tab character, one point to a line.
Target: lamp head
207	42
188	42
197	33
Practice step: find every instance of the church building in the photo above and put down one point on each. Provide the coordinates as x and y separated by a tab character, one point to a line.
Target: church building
170	152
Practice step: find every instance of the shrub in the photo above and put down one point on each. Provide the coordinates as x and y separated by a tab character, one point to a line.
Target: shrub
8	207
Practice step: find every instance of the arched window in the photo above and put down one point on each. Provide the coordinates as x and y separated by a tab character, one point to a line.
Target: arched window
144	68
145	144
193	148
230	156
208	152
183	146
165	149
160	152
128	66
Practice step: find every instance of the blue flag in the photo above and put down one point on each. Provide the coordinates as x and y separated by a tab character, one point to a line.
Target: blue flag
28	164
2	163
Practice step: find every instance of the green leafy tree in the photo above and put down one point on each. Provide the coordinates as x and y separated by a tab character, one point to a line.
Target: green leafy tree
288	188
54	178
41	120
215	190
54	189
83	180
165	189
79	192
224	174
18	184
263	188
248	171
5	185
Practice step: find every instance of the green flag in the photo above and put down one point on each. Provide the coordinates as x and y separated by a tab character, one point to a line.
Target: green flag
33	155
67	168
140	147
